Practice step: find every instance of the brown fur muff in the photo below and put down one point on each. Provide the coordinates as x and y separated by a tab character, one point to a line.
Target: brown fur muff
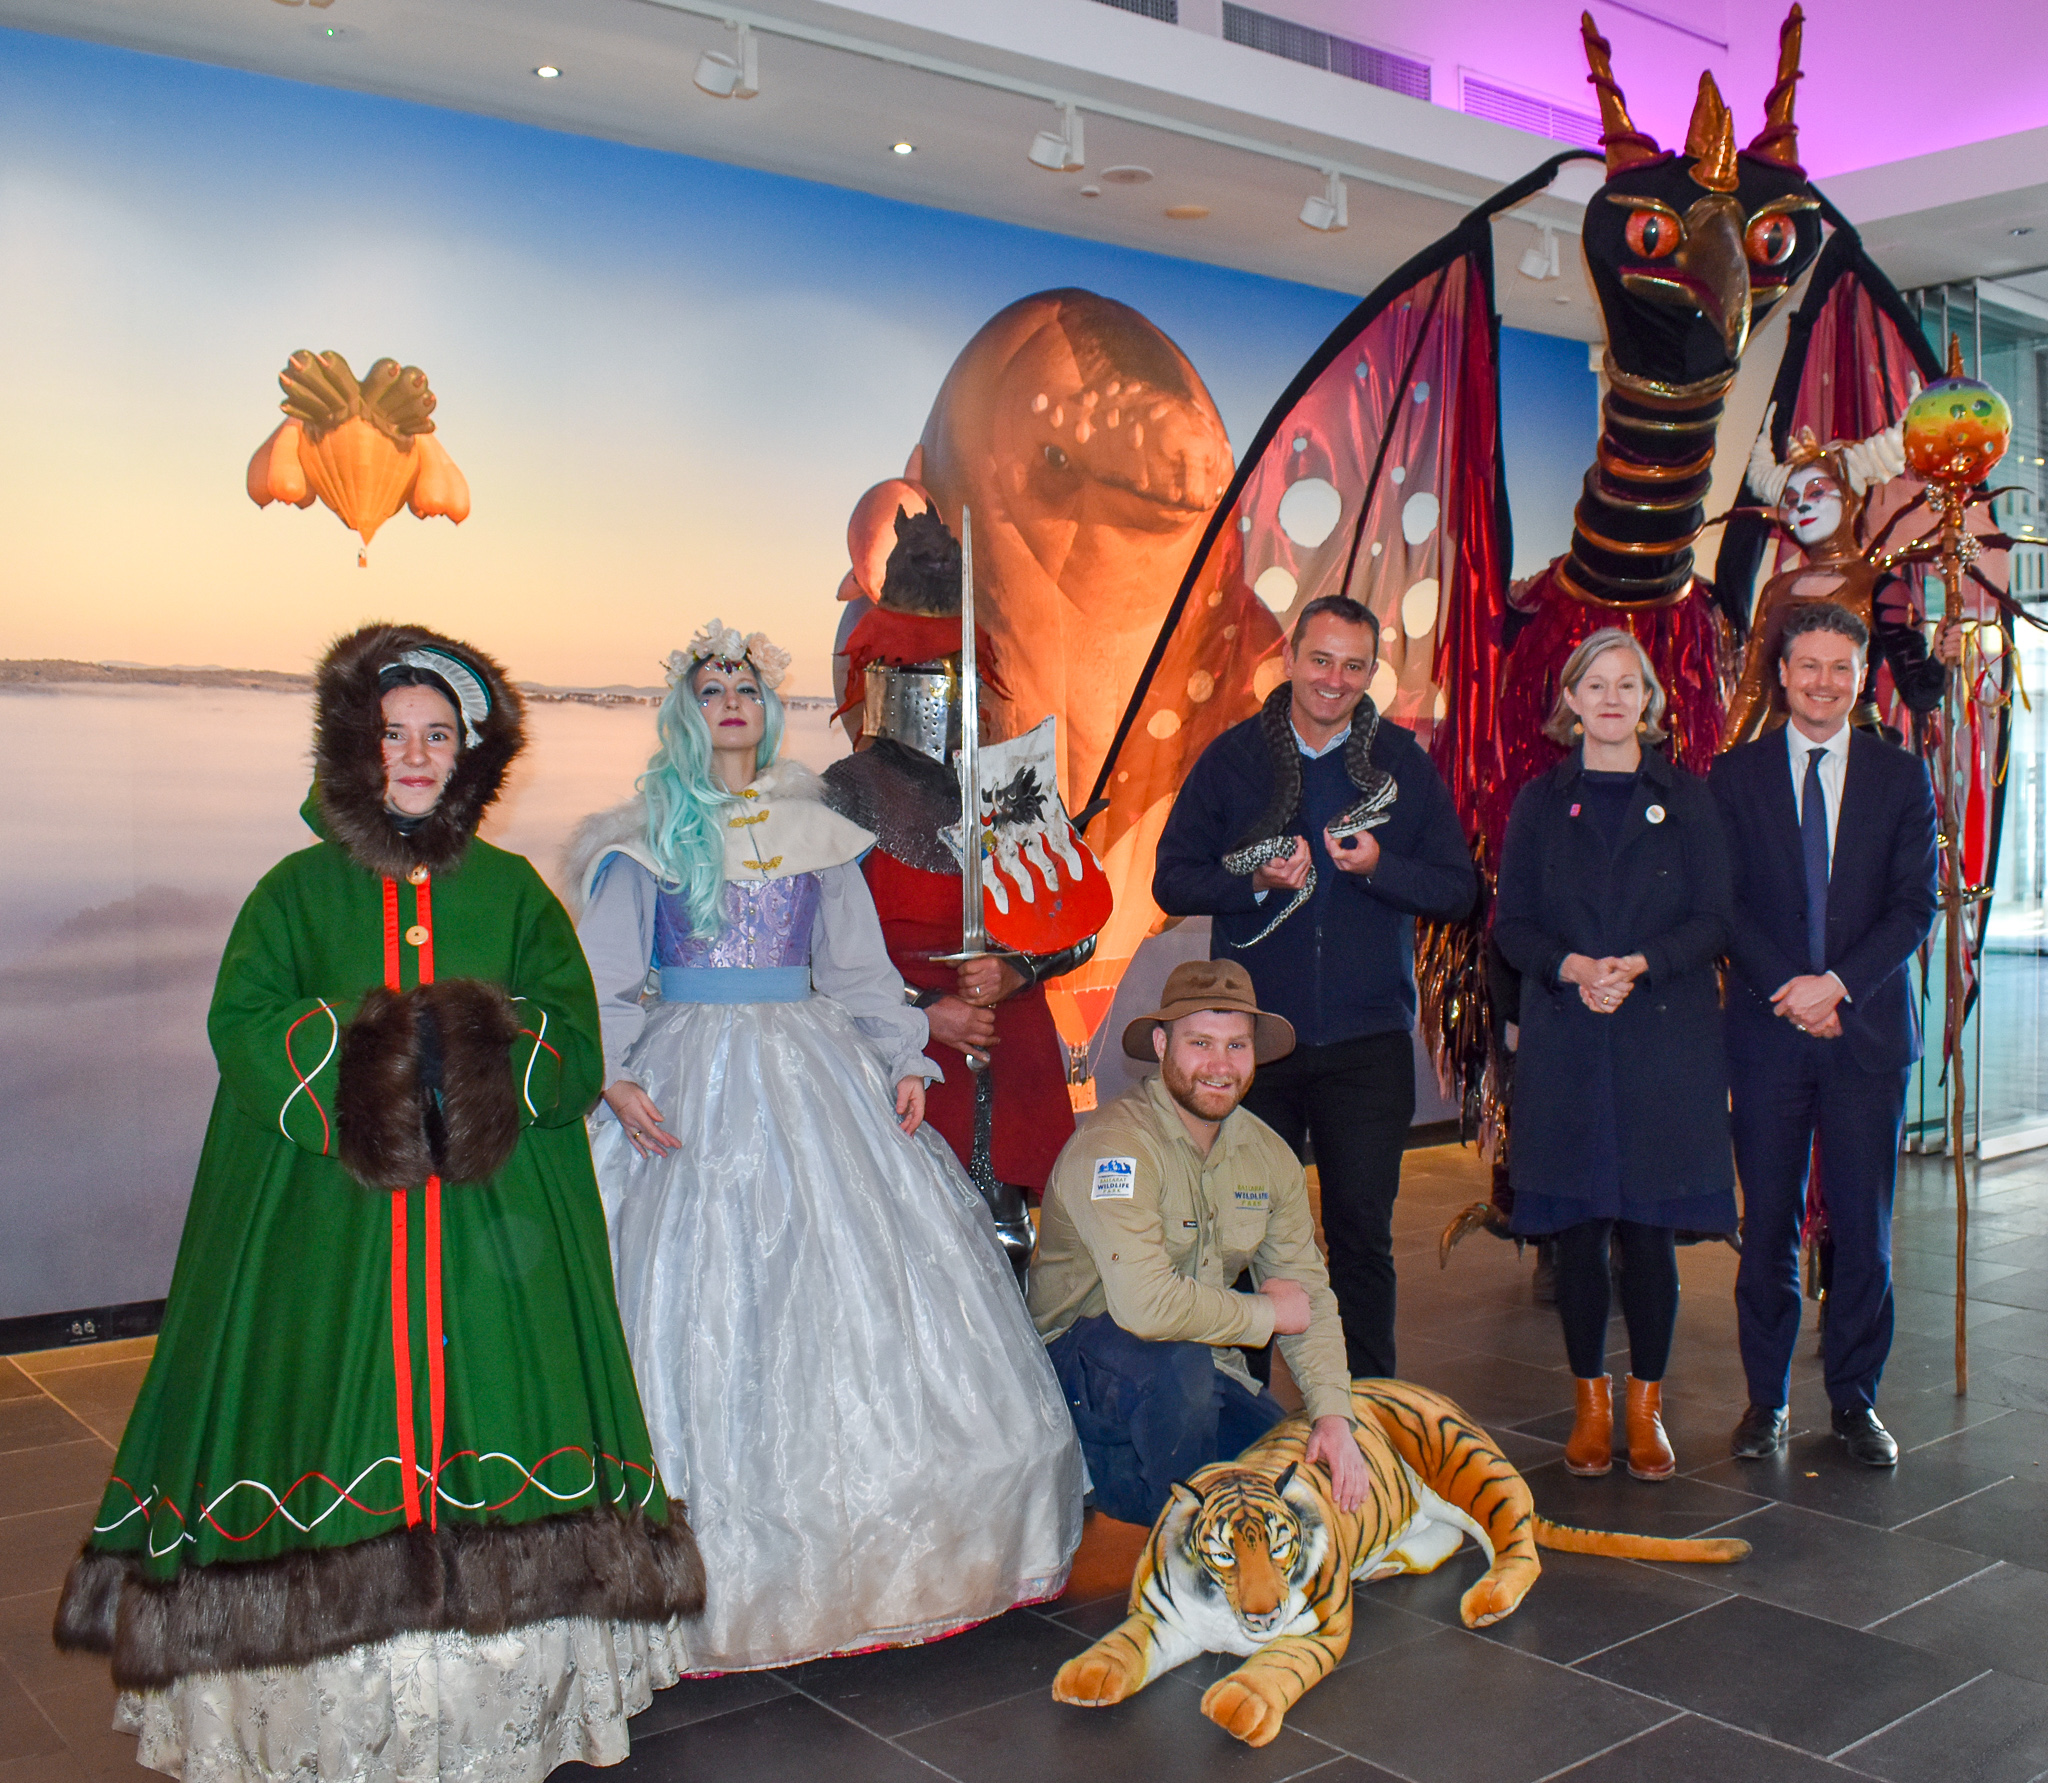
348	754
455	1035
314	1603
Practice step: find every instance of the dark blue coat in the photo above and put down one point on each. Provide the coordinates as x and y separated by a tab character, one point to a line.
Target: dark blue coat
1649	1081
1343	966
1881	896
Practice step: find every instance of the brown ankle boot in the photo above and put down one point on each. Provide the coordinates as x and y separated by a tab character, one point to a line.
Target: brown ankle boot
1649	1450
1590	1452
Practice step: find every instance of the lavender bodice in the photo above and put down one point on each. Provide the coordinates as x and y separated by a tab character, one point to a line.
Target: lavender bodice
767	923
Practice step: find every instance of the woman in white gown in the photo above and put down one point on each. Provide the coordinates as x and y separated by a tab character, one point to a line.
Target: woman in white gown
840	1377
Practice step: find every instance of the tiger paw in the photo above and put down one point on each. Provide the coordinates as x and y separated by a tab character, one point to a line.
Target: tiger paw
1092	1680
1498	1594
1240	1710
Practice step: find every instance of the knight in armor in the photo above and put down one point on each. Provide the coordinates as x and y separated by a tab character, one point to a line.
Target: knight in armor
1008	1113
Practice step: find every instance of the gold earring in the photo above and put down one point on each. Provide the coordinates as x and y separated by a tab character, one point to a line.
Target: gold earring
1642	726
1578	727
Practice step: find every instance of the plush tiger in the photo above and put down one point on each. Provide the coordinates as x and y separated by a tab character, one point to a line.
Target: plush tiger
1252	1556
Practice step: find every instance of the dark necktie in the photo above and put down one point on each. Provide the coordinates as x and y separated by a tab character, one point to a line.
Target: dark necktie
1813	844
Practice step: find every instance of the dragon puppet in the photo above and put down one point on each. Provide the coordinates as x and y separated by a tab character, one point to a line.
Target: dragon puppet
1742	316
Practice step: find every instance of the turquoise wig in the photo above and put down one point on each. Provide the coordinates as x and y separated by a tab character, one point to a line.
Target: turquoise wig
686	800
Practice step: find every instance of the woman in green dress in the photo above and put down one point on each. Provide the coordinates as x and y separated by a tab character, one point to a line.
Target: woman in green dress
386	1508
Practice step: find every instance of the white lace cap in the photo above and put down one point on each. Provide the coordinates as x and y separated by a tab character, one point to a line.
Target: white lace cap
463	681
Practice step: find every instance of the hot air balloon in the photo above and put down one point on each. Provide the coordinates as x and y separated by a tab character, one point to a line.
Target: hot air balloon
364	449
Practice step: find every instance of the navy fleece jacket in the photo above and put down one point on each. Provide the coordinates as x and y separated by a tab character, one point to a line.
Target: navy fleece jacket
1343	966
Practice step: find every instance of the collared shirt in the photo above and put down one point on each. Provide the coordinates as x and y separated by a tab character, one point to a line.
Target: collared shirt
1139	1224
1336	742
1834	764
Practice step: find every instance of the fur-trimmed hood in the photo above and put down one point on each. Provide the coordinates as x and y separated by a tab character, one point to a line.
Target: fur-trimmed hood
348	757
802	836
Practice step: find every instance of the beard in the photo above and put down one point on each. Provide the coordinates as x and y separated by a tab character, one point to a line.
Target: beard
1205	1102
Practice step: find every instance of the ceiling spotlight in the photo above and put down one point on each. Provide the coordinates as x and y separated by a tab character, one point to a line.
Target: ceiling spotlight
1060	151
903	148
1540	262
735	76
1326	210
548	71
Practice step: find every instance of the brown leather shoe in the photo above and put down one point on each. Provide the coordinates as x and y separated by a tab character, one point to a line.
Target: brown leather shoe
1590	1452
1649	1450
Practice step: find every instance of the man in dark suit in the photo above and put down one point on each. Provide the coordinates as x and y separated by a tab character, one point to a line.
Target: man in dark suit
1831	838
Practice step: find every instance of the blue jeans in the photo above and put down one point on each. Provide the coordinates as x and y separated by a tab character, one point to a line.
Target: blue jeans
1149	1414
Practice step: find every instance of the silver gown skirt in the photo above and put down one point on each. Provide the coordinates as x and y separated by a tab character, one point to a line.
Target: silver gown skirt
840	1376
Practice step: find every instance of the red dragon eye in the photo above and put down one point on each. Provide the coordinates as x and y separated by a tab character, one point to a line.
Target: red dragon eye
1652	234
1770	241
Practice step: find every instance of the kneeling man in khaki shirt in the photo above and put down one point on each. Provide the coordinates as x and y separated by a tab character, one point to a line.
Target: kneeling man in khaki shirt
1155	1208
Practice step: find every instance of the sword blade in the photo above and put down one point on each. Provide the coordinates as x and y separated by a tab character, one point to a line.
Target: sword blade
973	935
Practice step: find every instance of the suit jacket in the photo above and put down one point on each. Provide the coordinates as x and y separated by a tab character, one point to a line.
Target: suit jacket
1663	892
1881	896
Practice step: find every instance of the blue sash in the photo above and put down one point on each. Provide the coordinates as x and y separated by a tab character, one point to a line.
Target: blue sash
735	984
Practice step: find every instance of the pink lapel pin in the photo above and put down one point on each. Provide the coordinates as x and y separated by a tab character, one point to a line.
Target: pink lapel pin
1575	810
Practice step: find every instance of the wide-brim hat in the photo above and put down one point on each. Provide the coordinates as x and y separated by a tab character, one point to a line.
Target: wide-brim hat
1196	985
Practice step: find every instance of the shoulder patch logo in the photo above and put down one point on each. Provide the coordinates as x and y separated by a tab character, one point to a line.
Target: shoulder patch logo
1114	1179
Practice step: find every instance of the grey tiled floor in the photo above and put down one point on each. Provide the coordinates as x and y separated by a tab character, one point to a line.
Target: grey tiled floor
1886	1625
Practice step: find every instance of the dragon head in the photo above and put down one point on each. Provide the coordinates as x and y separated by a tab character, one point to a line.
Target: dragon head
1687	251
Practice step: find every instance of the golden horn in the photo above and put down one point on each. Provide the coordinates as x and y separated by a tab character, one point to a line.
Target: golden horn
1626	146
1779	139
1711	140
1955	356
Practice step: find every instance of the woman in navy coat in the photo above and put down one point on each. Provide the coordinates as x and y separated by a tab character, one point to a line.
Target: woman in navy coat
1615	902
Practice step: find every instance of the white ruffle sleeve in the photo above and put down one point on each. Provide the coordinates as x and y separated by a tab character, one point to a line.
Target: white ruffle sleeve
850	964
617	932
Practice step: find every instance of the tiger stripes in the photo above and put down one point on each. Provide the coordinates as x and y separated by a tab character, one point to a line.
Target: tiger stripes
1254	1557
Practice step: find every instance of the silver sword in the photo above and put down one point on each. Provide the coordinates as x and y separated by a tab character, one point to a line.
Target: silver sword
973	935
973	931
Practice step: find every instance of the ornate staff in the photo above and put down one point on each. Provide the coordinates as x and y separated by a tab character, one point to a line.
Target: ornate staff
1955	432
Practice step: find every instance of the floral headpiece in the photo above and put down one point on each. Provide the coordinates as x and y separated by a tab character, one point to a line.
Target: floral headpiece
717	642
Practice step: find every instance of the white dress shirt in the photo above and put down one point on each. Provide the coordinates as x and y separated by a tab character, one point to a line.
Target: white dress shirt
1834	764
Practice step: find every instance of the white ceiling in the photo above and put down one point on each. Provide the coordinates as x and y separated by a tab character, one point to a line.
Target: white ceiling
968	81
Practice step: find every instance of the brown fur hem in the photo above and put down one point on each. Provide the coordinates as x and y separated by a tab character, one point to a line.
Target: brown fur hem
314	1603
389	1137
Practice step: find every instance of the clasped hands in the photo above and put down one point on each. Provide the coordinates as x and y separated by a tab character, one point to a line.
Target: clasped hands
1811	1003
1349	854
966	1020
1603	984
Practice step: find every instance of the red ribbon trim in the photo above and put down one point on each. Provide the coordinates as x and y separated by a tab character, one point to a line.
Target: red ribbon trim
401	1331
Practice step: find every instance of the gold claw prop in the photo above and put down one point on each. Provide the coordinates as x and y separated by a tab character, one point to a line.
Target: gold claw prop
1481	1216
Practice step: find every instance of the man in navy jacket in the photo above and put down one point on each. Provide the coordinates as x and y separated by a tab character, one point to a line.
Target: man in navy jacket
1831	837
1341	967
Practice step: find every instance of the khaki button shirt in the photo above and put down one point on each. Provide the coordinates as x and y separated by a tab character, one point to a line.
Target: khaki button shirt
1138	1224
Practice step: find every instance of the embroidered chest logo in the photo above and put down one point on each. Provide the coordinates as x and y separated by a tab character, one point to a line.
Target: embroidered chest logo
1250	1200
1114	1179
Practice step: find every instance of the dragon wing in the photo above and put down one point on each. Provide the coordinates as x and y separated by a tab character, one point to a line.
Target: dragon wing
1378	475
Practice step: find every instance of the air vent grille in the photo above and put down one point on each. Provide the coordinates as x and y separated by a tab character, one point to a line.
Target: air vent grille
1525	111
1167	12
1298	43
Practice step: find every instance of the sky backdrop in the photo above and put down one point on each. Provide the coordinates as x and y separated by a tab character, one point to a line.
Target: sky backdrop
667	380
